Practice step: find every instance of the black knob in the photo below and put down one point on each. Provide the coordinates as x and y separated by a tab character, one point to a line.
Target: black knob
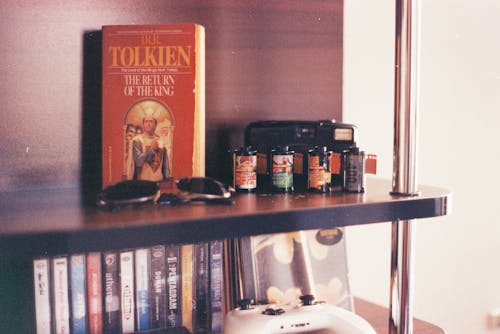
245	304
307	299
272	311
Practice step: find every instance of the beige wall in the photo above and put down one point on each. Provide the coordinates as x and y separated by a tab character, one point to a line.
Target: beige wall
457	273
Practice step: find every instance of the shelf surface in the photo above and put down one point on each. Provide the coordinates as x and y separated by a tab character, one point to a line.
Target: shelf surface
378	317
58	221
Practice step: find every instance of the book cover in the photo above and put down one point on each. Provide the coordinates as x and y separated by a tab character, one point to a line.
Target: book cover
281	267
94	292
201	289
330	267
60	294
216	286
78	294
142	288
174	308
158	287
112	315
127	291
153	102
41	275
187	284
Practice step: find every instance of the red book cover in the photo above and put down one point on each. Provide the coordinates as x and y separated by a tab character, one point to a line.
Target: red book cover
94	292
153	102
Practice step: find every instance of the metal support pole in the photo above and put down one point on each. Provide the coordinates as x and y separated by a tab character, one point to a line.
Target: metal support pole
401	285
404	180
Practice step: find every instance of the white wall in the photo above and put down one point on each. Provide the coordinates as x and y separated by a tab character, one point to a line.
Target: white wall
457	257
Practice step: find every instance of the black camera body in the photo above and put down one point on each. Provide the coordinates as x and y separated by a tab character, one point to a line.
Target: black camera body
299	136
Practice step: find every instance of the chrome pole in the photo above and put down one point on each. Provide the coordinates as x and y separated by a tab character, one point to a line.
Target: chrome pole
404	179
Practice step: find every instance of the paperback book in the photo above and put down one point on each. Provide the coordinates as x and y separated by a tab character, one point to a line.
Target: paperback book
153	102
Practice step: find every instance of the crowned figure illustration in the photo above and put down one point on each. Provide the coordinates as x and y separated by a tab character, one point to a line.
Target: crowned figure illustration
148	137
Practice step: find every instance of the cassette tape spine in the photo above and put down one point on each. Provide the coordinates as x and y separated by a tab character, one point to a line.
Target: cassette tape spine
142	276
42	292
127	290
111	321
158	287
60	294
78	294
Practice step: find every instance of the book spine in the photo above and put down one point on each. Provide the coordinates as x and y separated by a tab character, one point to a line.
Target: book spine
158	287
127	290
41	270
112	317
78	294
94	292
187	283
60	289
216	286
174	294
199	121
201	289
142	275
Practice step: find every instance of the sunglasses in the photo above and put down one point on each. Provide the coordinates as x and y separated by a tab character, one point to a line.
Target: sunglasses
170	191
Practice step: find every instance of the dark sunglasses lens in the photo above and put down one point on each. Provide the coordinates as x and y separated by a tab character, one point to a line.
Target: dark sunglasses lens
128	190
200	185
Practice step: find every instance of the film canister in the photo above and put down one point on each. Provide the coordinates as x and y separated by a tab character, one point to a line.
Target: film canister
245	169
353	170
319	177
281	169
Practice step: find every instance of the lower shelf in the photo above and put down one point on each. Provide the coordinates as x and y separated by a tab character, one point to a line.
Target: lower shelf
378	317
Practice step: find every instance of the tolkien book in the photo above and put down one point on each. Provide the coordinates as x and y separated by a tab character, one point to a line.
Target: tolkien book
153	102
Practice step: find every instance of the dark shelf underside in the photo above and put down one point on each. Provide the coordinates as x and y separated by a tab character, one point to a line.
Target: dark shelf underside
32	224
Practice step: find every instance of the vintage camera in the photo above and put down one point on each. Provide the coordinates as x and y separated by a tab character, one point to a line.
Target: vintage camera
264	135
299	136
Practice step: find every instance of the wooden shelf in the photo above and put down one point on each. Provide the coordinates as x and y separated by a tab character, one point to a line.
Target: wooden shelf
53	222
378	317
251	48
